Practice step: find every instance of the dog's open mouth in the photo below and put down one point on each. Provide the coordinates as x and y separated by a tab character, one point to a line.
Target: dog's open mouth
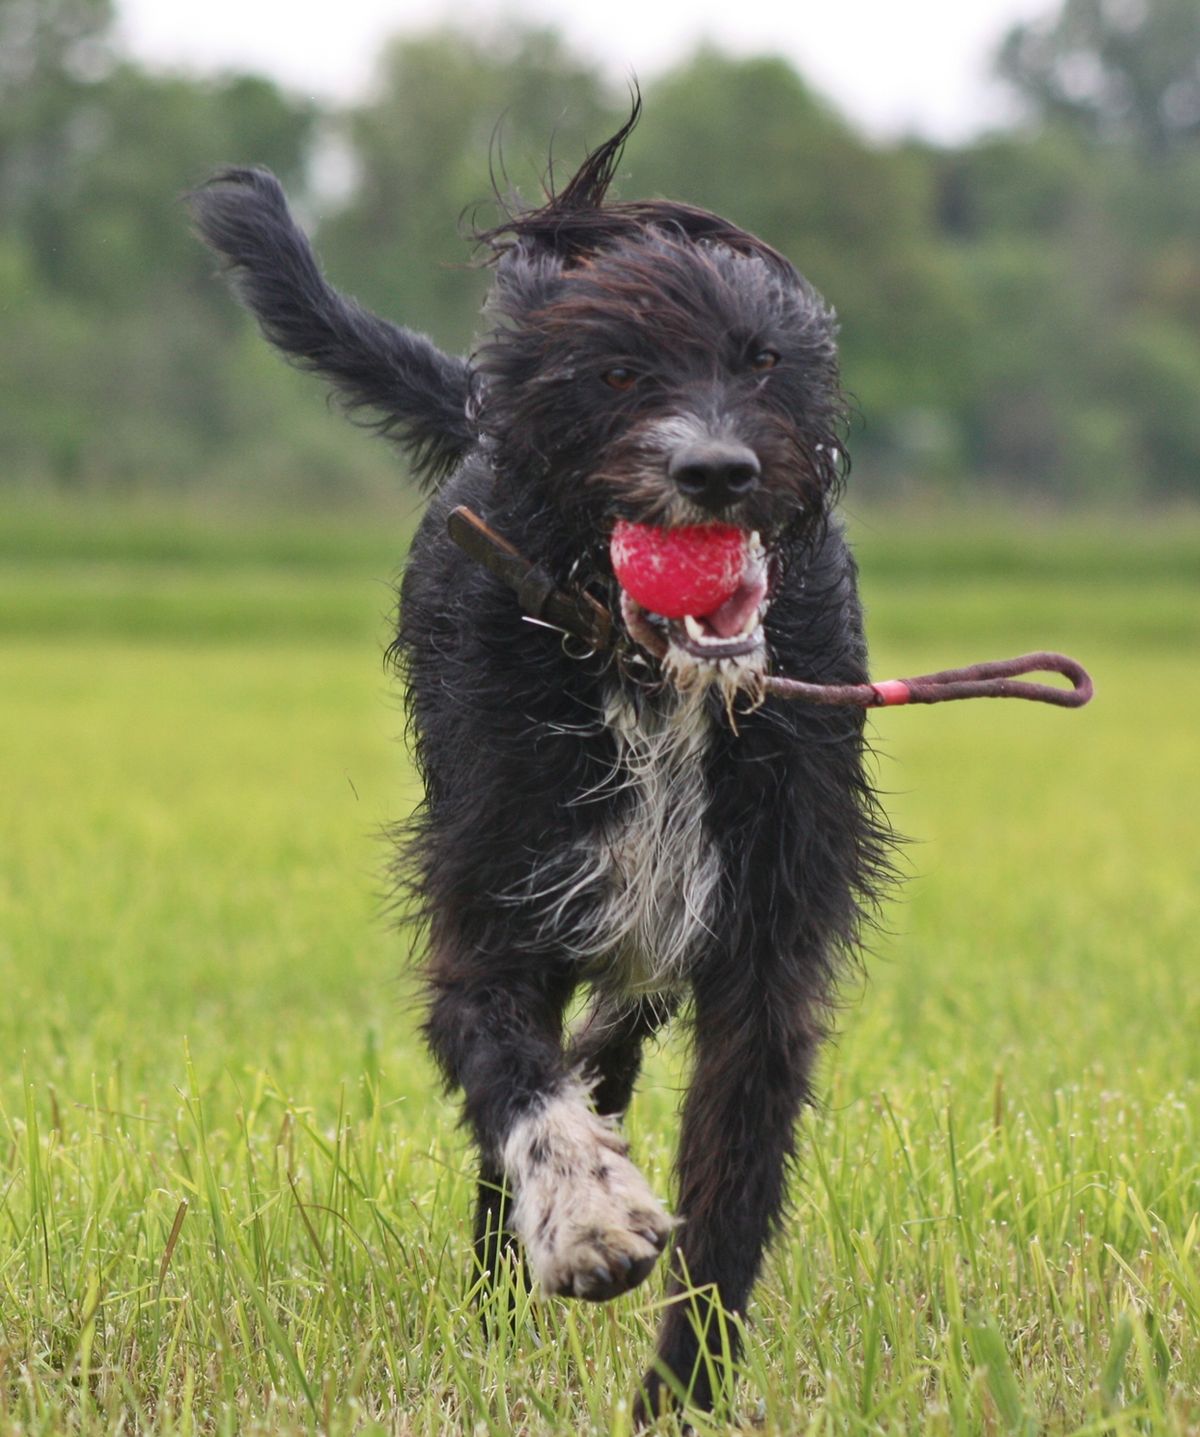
731	629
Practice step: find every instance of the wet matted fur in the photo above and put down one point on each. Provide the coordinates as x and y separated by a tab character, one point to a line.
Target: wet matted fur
654	832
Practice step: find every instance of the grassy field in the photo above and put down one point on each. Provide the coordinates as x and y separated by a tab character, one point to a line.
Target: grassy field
231	1199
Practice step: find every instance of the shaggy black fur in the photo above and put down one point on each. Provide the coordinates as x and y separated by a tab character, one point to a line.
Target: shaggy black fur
544	433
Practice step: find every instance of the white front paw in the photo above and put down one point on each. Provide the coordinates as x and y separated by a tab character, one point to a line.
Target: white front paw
589	1222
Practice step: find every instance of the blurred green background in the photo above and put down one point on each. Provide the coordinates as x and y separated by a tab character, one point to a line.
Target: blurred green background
1000	1213
1020	312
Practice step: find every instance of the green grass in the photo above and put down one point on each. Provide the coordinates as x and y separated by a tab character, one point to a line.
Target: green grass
231	1198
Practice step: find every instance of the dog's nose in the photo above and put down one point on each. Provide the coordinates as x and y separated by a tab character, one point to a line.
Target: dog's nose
714	474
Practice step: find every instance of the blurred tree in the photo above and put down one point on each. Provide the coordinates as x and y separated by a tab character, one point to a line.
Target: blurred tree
1026	217
1111	342
442	104
1023	310
150	138
93	151
114	331
1115	69
52	54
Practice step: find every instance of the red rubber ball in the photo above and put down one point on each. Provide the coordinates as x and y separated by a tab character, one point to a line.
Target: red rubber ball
673	572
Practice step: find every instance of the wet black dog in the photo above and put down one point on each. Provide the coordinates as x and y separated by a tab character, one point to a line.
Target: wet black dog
637	819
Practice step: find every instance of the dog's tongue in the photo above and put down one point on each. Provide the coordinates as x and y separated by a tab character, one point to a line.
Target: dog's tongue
730	619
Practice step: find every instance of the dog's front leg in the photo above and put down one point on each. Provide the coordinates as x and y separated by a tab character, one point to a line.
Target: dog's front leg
751	1077
590	1225
586	1218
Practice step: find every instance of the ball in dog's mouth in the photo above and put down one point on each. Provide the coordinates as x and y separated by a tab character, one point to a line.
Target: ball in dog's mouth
703	588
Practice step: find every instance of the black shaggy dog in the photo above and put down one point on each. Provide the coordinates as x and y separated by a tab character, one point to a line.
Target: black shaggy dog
634	818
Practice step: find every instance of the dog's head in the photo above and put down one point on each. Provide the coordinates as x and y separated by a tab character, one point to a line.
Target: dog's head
654	362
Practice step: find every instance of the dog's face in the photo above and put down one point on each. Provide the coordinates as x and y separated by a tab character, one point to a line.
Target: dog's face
669	381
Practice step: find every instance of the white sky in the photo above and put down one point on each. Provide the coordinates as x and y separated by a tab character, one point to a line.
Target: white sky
892	65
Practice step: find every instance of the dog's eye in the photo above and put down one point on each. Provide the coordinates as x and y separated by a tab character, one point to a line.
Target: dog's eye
762	361
619	377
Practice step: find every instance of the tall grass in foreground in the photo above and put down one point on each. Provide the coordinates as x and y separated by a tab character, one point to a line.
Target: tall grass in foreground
231	1198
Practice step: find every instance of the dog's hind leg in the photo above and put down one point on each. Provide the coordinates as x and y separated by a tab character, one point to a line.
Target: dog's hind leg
606	1048
753	1058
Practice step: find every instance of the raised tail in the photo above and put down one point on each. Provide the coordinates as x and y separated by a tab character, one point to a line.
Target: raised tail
418	395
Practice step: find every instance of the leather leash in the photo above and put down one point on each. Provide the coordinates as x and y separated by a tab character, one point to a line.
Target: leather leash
580	614
538	595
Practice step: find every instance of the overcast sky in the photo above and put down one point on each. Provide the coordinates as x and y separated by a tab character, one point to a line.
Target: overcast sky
893	65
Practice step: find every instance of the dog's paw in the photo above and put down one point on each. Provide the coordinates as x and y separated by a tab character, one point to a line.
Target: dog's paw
589	1222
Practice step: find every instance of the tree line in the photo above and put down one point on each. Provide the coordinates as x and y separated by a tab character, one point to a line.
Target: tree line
1019	313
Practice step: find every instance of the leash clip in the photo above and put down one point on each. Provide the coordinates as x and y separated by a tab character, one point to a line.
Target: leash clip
587	650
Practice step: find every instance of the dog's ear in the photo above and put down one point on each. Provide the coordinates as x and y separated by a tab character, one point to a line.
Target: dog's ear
528	278
418	395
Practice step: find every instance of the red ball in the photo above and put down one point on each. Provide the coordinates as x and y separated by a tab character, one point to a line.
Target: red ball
673	572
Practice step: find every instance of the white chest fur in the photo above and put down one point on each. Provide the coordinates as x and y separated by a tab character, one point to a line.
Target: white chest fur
662	865
634	903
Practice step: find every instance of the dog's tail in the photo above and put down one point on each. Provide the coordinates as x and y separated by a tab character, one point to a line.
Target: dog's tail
418	395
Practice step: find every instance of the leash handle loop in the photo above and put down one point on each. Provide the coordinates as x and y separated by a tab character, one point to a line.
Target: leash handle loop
994	679
997	679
